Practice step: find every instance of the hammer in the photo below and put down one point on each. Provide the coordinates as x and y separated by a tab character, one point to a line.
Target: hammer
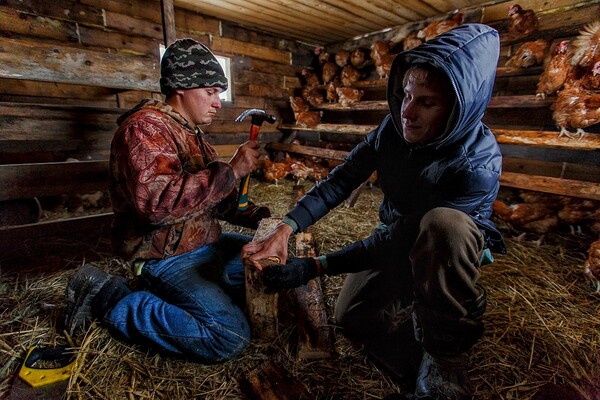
258	117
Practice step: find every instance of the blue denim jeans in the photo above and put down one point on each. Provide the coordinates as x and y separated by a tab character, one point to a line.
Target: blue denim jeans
188	307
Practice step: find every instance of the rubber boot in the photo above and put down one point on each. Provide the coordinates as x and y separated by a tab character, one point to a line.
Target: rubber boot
443	378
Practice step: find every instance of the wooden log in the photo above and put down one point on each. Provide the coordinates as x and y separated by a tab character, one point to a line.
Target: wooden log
590	141
316	339
271	381
309	151
262	309
65	64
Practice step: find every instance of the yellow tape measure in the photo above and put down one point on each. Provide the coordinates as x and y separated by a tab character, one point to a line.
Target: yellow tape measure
54	364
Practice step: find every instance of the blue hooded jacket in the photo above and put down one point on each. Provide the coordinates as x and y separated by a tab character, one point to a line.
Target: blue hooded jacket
460	170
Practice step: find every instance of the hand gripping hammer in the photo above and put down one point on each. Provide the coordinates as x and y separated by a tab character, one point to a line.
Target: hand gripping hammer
258	117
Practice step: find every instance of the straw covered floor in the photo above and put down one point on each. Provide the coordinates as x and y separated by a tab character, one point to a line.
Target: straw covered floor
542	336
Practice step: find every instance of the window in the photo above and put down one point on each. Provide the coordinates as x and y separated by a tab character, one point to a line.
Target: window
225	64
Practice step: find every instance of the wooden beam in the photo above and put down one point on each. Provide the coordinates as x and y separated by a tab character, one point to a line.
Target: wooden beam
168	21
63	64
564	187
546	138
351	129
308	151
20	181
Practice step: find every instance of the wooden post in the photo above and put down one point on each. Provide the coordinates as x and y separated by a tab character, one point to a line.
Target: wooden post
316	339
168	20
262	308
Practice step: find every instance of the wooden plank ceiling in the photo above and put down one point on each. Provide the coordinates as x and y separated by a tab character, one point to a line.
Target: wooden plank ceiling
322	22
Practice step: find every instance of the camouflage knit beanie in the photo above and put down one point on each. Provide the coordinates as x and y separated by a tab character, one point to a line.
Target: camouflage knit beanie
188	64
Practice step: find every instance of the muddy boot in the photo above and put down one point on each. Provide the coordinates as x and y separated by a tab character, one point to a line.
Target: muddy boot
90	293
443	378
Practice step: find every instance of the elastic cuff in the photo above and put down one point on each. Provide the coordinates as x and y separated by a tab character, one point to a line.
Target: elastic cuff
323	261
287	220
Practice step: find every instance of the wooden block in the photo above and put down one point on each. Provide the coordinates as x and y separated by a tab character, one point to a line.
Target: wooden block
262	309
316	339
271	381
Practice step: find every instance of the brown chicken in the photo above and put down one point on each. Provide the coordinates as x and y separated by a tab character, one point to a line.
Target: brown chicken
349	75
520	214
313	95
310	78
318	169
384	67
379	48
586	46
331	90
522	22
348	96
276	171
298	105
411	41
342	58
323	56
436	28
591	79
555	71
529	54
300	171
309	119
357	58
576	107
329	72
592	264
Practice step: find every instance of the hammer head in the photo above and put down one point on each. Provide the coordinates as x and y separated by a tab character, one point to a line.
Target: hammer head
258	116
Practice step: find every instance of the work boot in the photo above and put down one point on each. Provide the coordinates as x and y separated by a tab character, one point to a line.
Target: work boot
443	378
81	291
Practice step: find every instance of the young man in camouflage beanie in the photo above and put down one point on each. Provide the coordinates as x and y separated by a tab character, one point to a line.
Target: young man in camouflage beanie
168	190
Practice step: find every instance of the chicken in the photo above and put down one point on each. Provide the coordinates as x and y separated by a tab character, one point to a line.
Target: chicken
310	77
592	264
380	53
323	56
520	214
522	22
331	92
300	171
411	41
586	46
576	212
342	58
555	71
318	170
529	54
379	48
591	79
436	28
329	72
357	58
385	65
298	105
347	96
349	75
313	95
276	171
576	107
309	119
